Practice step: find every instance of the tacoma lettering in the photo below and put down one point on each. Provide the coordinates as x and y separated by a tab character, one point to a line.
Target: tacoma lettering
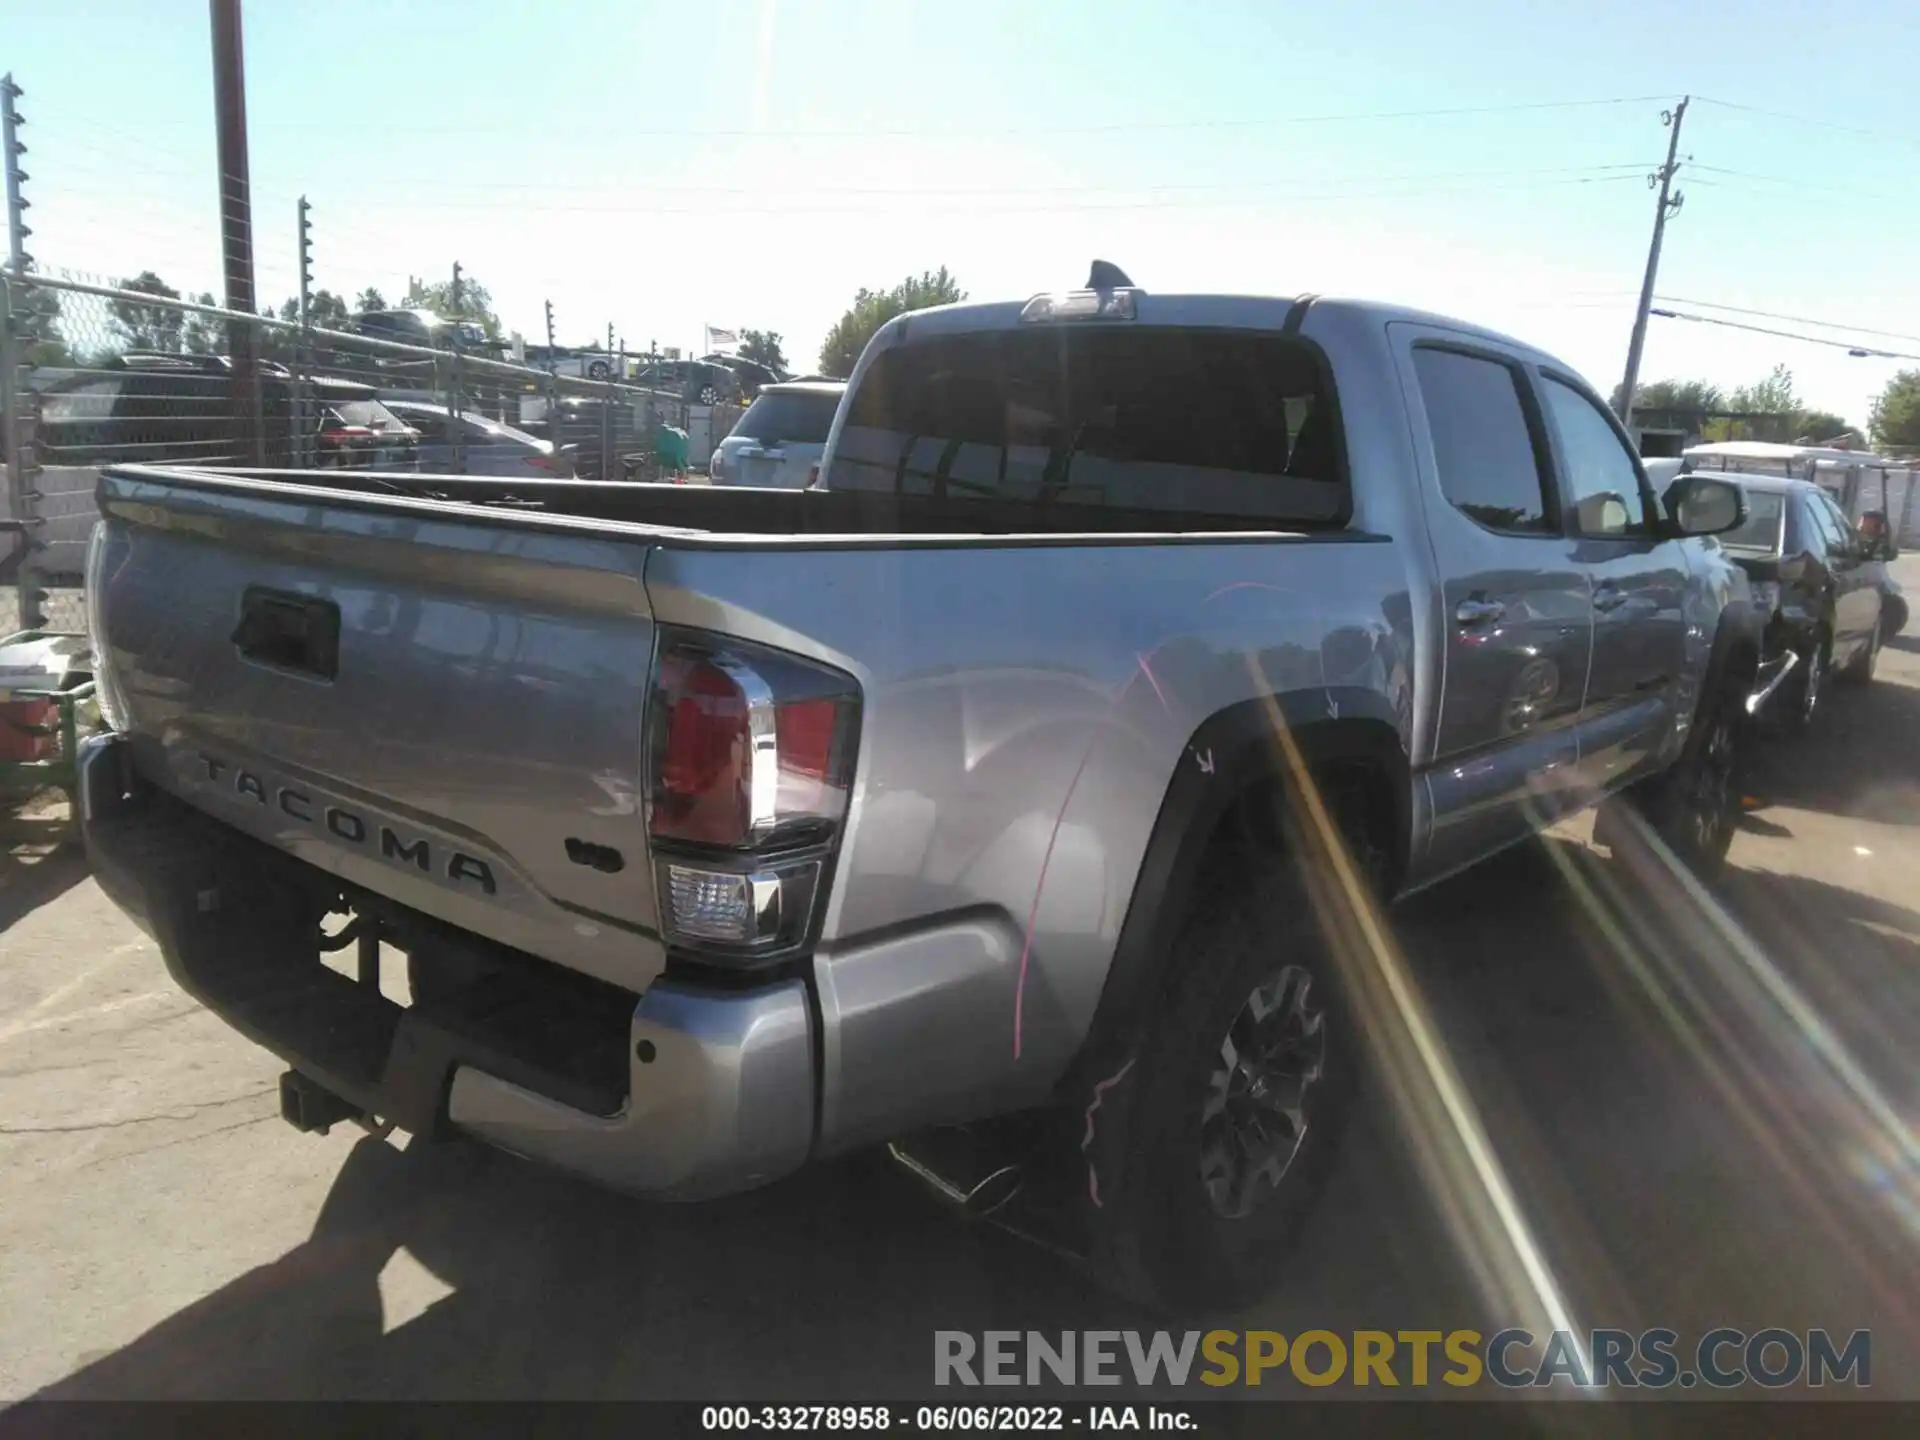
344	824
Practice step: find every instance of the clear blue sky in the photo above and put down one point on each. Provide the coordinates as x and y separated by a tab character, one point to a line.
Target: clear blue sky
752	163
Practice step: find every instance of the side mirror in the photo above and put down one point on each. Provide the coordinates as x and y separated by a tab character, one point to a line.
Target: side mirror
1702	505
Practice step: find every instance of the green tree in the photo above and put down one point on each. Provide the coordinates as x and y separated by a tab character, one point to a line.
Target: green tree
370	299
38	319
148	327
1771	396
202	334
326	310
474	302
762	347
1820	425
1895	419
873	308
1675	395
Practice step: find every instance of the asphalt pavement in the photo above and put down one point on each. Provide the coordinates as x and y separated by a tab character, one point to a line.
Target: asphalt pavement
1702	1104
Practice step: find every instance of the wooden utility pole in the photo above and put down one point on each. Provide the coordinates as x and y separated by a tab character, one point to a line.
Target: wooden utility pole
236	224
1669	205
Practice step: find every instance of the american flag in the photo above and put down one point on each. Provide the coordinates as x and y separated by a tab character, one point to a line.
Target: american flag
722	339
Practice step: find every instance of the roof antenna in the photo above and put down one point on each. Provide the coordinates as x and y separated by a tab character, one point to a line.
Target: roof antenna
1108	276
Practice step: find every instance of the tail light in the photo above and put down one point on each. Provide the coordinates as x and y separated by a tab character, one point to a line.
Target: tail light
346	434
751	756
548	463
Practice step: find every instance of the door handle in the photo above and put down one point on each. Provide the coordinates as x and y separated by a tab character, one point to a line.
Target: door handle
1477	611
1609	597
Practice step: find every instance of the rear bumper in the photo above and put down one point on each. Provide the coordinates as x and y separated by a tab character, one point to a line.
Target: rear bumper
719	1086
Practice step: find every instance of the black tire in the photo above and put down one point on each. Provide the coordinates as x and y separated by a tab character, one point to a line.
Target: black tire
1893	619
707	396
1859	670
1163	1237
1807	691
1693	805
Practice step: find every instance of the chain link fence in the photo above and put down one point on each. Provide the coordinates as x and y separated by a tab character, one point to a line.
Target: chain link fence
96	374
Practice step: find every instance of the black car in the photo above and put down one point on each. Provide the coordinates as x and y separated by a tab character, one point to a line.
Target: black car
754	377
698	382
1820	584
173	408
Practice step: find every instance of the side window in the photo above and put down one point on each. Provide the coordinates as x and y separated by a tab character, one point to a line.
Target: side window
1602	482
1482	444
1838	533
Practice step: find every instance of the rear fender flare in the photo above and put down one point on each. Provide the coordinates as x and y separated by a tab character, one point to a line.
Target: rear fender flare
1230	754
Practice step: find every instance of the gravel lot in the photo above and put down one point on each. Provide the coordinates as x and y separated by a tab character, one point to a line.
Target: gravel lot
1701	1112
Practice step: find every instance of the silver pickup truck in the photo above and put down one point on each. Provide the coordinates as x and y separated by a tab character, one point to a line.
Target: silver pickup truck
1017	775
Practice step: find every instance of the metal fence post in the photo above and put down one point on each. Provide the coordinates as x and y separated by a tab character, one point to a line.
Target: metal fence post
456	439
304	420
22	494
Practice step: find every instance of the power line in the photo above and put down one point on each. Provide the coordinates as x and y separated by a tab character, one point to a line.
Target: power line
1861	351
923	132
1794	319
1851	190
1809	120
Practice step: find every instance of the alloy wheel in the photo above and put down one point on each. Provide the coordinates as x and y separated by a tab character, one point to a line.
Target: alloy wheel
1711	795
1255	1117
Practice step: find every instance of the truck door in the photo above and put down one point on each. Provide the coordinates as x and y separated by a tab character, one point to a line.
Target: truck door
1639	580
1515	613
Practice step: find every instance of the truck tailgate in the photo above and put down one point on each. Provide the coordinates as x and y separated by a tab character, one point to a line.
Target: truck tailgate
439	703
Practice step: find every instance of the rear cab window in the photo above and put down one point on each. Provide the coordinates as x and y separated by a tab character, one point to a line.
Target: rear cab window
1159	427
793	415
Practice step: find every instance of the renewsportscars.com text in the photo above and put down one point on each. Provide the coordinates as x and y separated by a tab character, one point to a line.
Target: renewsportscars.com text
1722	1359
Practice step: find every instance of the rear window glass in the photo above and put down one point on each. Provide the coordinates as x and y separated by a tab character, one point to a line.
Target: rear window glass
369	414
801	418
1761	530
1235	425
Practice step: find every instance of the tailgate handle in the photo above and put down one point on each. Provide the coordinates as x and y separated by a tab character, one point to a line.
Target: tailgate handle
289	632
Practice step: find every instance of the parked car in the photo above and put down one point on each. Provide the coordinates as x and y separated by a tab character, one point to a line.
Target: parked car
753	376
425	328
998	798
1817	582
778	442
178	409
698	382
486	446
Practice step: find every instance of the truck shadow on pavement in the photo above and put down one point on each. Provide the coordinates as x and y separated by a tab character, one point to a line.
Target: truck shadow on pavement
1618	1078
38	862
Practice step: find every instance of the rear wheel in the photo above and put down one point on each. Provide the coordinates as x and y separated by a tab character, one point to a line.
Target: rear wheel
1209	1158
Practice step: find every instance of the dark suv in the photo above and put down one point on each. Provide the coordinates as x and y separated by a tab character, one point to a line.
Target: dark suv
698	382
171	408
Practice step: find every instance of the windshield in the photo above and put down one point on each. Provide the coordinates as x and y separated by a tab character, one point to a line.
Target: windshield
1761	531
792	415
